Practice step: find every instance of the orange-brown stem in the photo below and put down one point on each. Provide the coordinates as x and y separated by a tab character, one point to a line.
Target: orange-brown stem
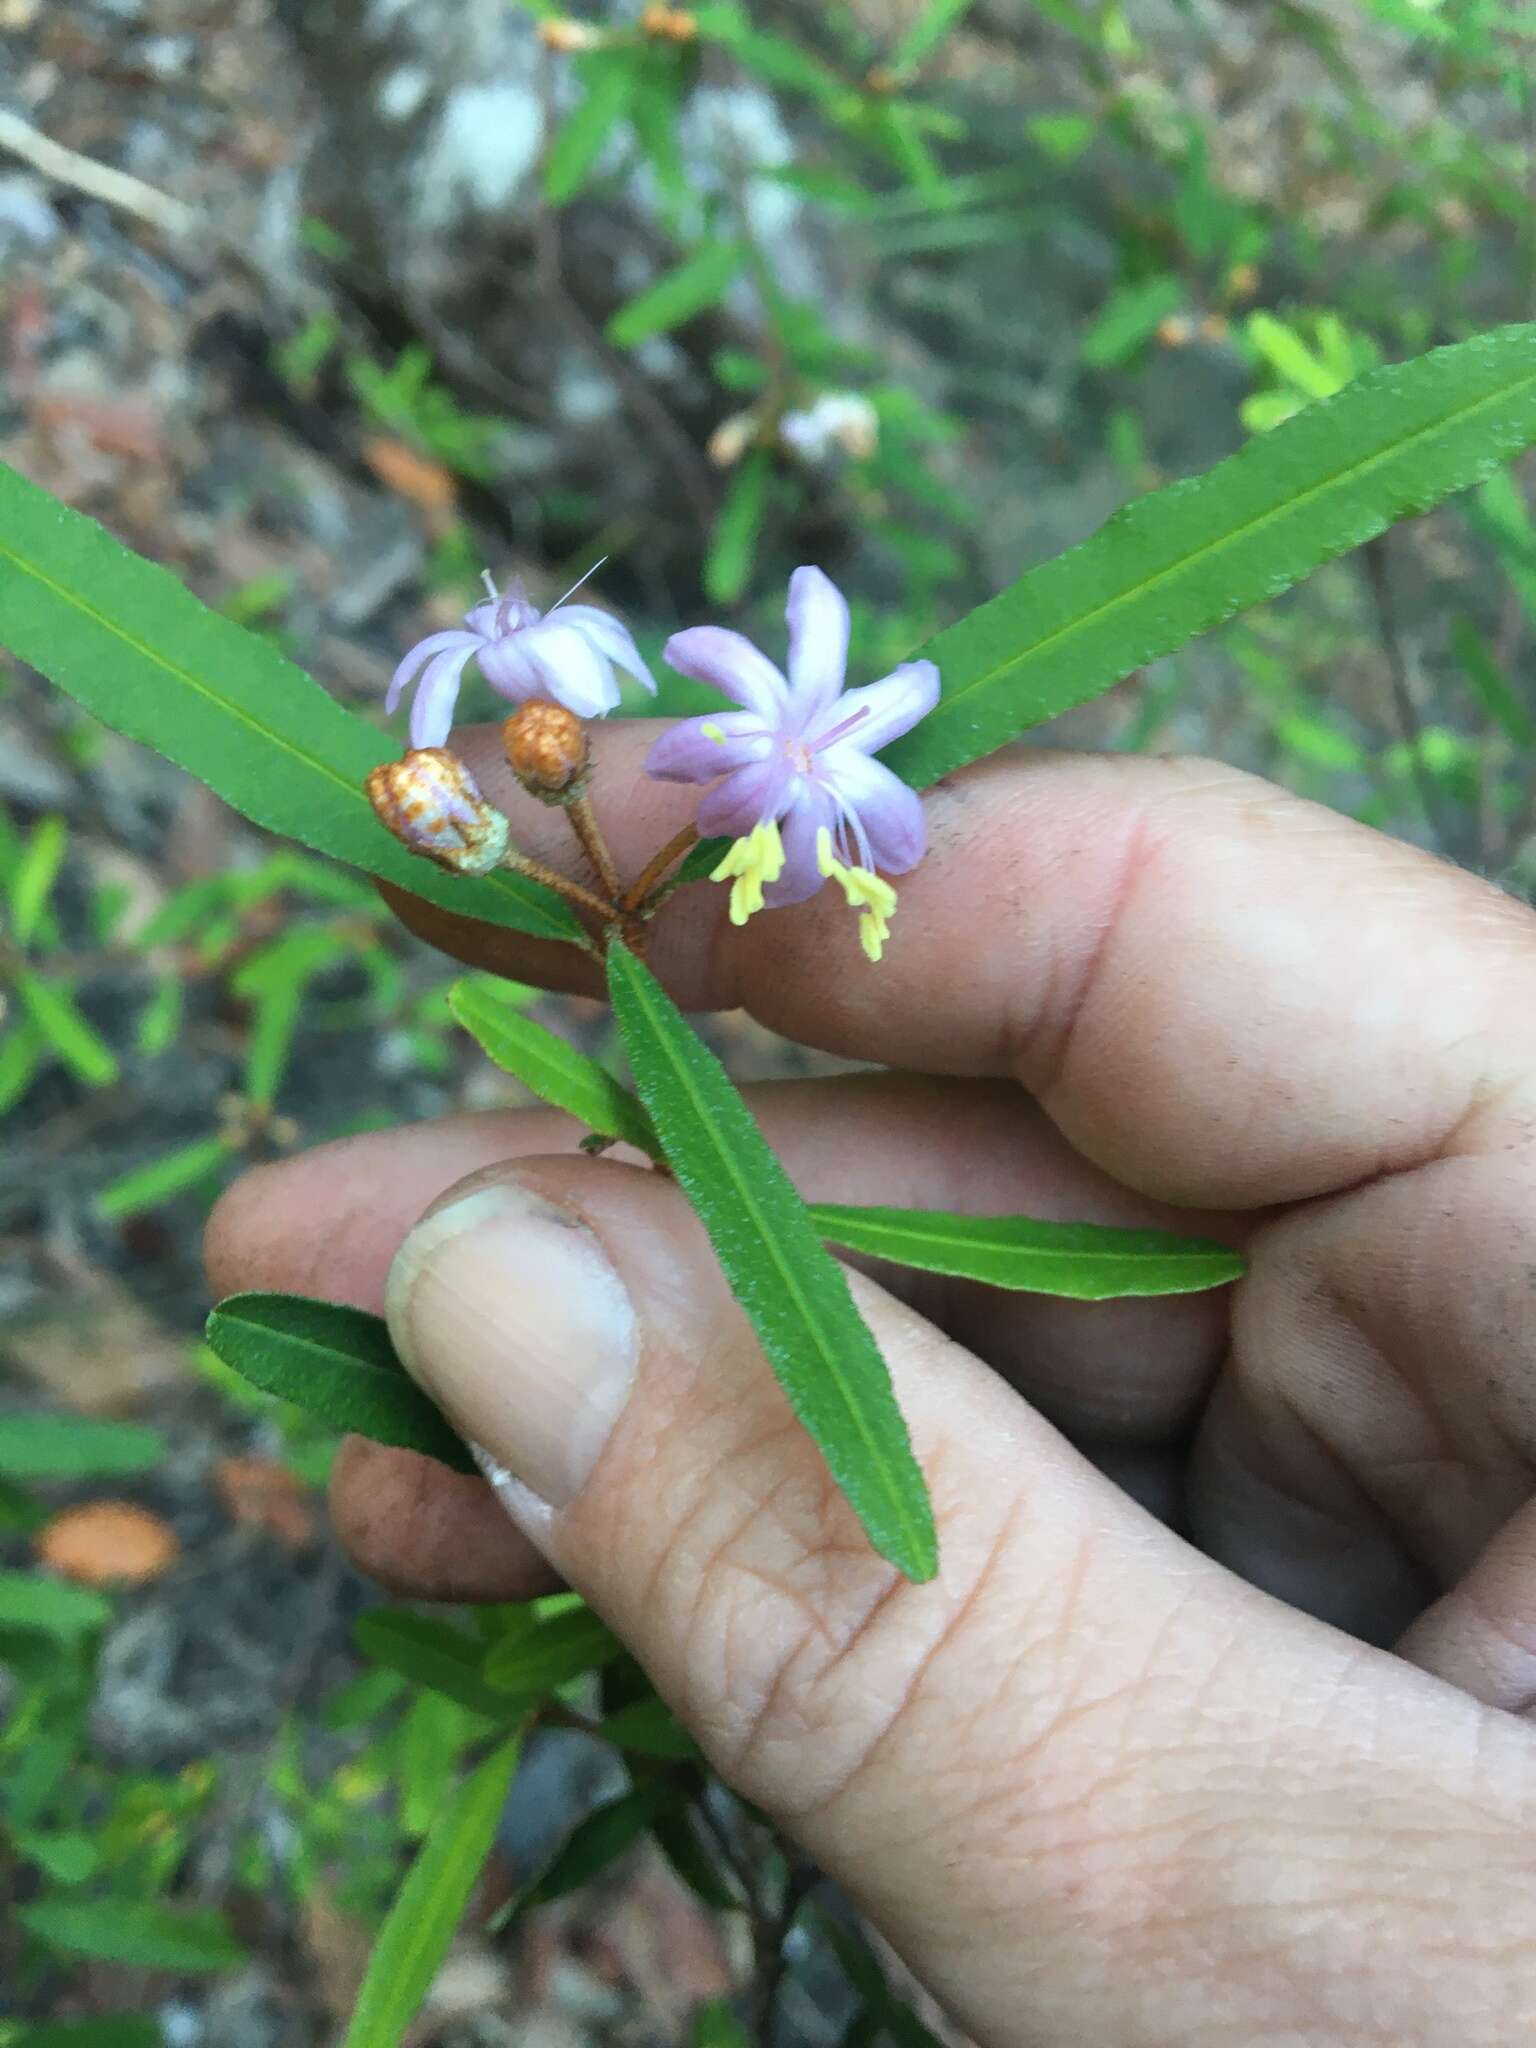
671	853
573	892
584	824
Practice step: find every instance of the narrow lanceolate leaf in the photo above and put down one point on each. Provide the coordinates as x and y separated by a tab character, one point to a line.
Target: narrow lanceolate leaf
1172	565
50	1607
794	1292
435	1654
610	79
426	1914
137	1932
542	1061
338	1363
535	1656
692	288
120	2030
1083	1261
69	1035
137	649
599	1840
74	1447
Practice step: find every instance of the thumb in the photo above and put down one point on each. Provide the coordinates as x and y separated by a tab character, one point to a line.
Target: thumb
1058	1777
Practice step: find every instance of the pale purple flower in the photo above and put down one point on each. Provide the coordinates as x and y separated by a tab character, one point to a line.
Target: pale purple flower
797	753
568	654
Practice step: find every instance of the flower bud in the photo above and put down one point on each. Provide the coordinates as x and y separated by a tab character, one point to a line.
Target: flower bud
731	439
669	24
433	805
546	750
570	37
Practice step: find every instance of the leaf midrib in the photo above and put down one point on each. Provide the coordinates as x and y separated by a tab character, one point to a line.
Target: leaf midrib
171	667
959	1237
914	1533
1084	620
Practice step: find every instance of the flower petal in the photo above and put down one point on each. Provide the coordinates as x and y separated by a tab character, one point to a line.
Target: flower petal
610	637
686	753
818	640
748	797
438	692
811	808
569	668
890	813
420	654
731	664
509	671
894	707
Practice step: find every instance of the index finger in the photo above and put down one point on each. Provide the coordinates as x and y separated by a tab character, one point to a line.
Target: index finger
1221	994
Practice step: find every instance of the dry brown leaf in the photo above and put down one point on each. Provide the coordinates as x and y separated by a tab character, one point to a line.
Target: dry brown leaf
411	475
108	1543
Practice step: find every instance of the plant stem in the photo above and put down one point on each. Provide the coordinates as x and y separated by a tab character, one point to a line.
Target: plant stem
584	824
655	868
770	1932
573	892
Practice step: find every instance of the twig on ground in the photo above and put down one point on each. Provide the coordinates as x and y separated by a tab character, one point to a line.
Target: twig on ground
98	181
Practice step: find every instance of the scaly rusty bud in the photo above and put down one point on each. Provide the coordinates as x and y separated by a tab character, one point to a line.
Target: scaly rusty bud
547	750
669	24
433	805
570	37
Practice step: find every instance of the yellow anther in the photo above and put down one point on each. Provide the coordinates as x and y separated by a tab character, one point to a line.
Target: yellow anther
751	863
714	732
867	893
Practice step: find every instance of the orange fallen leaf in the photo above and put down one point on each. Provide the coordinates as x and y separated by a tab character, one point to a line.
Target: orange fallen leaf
411	475
108	1543
262	1494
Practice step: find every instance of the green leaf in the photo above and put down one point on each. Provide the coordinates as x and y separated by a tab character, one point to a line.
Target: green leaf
544	1062
160	1180
435	1654
1081	1261
697	283
716	2026
738	525
648	1727
425	1917
338	1363
938	19
69	1035
1497	694
1172	565
150	1937
137	649
536	1656
795	1294
576	149
1130	317
22	1053
678	1842
64	1855
123	2030
51	1607
71	1447
36	872
597	1841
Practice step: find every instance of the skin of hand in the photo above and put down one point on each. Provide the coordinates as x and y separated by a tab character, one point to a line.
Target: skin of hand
1217	1726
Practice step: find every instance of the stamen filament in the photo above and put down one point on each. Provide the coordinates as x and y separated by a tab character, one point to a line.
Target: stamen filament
827	739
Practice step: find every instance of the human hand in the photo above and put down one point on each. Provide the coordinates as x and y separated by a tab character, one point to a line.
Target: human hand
1092	1783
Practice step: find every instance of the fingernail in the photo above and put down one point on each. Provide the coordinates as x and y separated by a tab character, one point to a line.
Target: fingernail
508	1312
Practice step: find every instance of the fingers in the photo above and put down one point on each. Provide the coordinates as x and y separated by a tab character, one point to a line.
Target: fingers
1222	995
1127	1376
1090	1786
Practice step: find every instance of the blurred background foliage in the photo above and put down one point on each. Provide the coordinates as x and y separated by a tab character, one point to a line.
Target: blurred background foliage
920	292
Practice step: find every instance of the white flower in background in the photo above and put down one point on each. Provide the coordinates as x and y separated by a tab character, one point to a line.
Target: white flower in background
839	421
